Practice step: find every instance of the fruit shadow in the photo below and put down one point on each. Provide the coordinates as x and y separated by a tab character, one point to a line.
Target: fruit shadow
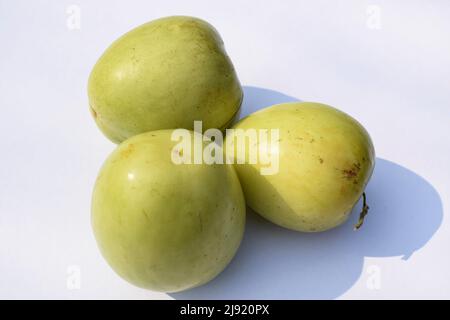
276	263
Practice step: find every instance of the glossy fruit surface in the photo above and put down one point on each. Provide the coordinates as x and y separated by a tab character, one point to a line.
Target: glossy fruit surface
164	75
163	226
325	161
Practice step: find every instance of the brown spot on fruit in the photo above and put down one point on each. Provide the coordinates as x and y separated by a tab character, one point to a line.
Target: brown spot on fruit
351	173
320	160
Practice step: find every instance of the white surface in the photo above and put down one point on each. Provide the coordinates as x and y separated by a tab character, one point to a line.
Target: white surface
394	79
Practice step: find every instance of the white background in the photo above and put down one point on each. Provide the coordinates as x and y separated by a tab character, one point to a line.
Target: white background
386	63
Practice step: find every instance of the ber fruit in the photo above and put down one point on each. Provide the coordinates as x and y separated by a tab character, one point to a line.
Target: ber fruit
325	161
164	75
163	226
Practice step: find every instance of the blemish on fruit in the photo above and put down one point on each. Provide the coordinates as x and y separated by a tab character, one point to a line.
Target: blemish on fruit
145	215
129	150
351	173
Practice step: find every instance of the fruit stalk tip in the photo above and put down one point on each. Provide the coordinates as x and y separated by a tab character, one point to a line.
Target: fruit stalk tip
363	214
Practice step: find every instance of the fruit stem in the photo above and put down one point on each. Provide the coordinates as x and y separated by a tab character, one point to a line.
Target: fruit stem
363	214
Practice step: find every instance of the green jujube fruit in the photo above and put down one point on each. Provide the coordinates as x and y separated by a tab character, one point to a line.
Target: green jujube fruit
164	75
325	157
163	226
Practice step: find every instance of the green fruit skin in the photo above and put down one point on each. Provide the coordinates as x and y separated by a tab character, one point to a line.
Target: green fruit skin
164	75
326	159
162	226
